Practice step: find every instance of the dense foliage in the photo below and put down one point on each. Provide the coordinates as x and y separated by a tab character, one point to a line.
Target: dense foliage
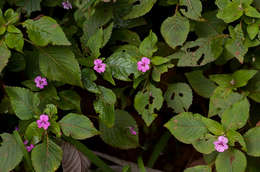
129	71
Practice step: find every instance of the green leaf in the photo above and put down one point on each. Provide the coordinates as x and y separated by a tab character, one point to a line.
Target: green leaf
24	102
231	12
46	157
199	168
15	41
186	127
213	126
179	97
77	126
45	31
252	30
59	64
236	116
205	145
30	5
234	136
230	161
221	100
175	30
252	139
206	51
200	84
122	65
95	42
252	12
140	8
194	8
69	100
11	16
33	134
147	101
88	77
107	34
108	75
119	135
4	55
105	106
11	153
157	60
148	45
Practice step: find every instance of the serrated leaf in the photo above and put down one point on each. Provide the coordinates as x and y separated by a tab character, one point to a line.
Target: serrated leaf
73	160
252	139
46	157
45	31
236	116
140	9
231	12
69	100
230	161
179	97
147	101
194	8
122	65
11	153
15	41
175	30
186	127
59	64
120	135
33	134
148	45
105	106
77	126
205	145
200	84
23	101
4	55
199	168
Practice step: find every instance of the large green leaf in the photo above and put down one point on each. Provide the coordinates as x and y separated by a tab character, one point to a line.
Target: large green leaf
179	97
59	64
69	100
186	127
4	55
140	8
199	168
77	126
45	31
47	156
175	30
230	161
105	106
24	102
122	65
236	116
201	85
120	134
148	45
147	101
11	153
194	8
252	139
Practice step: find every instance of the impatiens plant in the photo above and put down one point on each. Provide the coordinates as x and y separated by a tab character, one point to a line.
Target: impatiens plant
148	85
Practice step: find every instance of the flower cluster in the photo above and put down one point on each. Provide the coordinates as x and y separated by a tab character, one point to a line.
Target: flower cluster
100	67
30	147
221	144
43	122
143	64
40	82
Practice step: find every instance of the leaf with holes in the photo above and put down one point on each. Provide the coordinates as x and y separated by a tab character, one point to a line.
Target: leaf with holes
11	153
77	126
186	127
73	160
175	30
200	52
24	102
199	168
148	45
179	97
200	84
236	116
120	135
46	156
194	8
205	145
252	139
230	161
147	101
69	100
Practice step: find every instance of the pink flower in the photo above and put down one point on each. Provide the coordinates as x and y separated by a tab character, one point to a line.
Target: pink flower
221	144
25	142
43	122
66	5
143	64
132	131
40	82
29	148
100	67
